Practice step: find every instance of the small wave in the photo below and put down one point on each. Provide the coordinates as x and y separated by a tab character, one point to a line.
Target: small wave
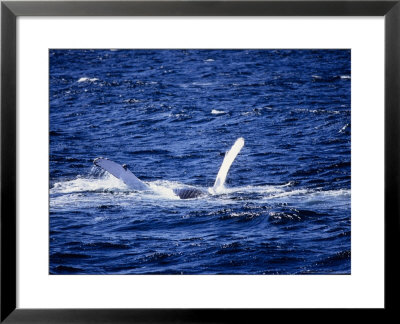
346	193
318	111
105	245
296	192
100	219
132	100
247	215
202	84
308	197
179	117
60	255
279	217
55	133
336	258
66	269
153	151
159	257
86	79
330	78
258	111
343	129
229	247
218	112
266	189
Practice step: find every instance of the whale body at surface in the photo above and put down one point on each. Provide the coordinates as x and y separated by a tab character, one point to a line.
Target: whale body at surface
123	173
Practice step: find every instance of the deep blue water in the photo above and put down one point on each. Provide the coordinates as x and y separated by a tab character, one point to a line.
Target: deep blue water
171	115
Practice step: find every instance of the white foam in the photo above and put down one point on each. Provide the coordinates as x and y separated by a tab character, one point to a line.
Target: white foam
312	197
86	79
217	112
266	189
92	193
107	182
165	189
295	192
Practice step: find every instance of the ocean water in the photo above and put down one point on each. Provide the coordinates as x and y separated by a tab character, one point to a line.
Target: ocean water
171	115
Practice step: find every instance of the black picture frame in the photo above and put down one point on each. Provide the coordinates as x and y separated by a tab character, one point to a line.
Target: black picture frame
10	10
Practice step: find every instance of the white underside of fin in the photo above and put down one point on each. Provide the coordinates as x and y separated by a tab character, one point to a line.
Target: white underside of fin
121	173
226	164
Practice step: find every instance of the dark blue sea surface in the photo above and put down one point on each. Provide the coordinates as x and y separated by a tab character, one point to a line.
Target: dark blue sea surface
171	115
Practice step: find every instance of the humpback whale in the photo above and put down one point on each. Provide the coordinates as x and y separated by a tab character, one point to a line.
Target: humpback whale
123	173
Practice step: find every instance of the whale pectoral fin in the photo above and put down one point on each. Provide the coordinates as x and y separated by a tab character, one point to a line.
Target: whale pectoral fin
230	156
121	172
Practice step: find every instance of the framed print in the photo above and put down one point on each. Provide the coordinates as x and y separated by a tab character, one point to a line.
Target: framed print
160	159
